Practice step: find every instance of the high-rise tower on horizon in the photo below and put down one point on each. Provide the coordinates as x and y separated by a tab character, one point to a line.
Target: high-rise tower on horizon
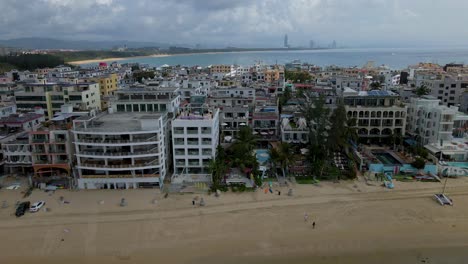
286	44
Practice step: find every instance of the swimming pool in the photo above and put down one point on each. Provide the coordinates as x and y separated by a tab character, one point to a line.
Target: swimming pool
386	158
262	155
458	164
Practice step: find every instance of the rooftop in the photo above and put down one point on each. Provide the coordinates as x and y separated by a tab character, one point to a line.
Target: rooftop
19	118
117	122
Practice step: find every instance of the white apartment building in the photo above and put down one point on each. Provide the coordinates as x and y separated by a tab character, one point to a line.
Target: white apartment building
378	114
195	136
429	121
120	150
447	88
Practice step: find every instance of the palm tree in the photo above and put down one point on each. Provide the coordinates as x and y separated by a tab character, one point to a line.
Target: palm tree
218	167
282	156
286	155
375	86
245	140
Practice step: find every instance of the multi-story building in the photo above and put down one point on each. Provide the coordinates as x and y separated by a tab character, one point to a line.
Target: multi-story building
120	150
265	122
447	88
430	122
157	99
221	69
17	155
26	122
51	97
195	136
232	119
378	114
52	155
108	84
7	108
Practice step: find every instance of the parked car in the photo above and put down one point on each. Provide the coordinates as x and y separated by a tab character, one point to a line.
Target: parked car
13	187
21	209
36	206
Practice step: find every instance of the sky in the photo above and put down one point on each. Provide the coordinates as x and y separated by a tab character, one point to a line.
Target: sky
242	23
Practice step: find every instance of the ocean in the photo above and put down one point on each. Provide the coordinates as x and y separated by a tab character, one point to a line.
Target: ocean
397	58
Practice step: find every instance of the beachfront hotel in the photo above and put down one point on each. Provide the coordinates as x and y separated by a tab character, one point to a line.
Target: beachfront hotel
378	114
120	150
195	136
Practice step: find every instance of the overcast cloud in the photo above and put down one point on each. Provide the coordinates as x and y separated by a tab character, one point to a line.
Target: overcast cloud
243	23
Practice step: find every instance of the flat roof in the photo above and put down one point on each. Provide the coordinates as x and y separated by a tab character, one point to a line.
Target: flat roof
118	122
19	118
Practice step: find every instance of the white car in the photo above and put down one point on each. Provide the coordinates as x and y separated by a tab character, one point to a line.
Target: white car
13	187
36	206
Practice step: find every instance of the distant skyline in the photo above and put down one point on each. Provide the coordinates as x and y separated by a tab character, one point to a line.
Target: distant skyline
242	23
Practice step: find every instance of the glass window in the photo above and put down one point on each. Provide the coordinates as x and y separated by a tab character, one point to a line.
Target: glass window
179	141
178	130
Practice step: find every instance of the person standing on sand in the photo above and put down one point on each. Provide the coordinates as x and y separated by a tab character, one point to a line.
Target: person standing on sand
313	225
193	202
306	217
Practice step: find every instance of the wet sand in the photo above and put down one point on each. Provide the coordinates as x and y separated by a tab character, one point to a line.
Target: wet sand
355	223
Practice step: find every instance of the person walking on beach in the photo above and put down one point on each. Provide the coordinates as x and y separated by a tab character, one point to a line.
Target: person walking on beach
313	225
193	202
306	217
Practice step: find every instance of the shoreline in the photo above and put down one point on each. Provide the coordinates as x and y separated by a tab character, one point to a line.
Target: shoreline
356	223
81	62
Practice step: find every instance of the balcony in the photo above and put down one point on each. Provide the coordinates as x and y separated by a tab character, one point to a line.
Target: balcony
154	151
118	166
40	140
157	175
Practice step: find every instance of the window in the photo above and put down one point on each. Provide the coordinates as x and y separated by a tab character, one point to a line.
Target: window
120	108
178	130
441	92
452	92
453	85
441	85
179	141
194	162
451	98
192	141
206	152
193	152
192	130
135	108
206	141
206	130
179	151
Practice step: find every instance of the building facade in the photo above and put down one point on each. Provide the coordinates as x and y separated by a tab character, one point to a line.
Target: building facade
195	136
120	151
378	114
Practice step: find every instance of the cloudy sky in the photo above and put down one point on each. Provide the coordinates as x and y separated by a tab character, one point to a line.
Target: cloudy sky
242	23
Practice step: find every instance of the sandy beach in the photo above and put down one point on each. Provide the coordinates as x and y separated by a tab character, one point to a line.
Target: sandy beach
355	223
115	59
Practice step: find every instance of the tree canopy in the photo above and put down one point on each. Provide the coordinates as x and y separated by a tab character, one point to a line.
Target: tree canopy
297	76
32	62
422	90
